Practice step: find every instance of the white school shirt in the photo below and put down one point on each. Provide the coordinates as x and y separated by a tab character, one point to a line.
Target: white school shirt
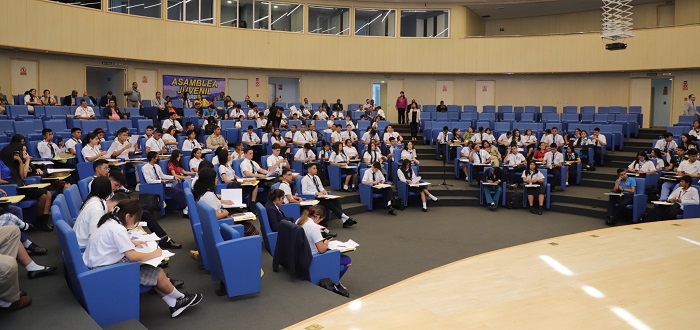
70	143
228	170
252	113
548	139
107	245
340	158
249	165
116	145
189	145
482	157
643	166
505	138
688	197
478	137
322	115
666	146
302	137
444	138
528	139
372	156
689	168
490	138
350	151
464	153
325	154
601	137
284	186
153	174
84	112
378	176
514	159
348	135
290	135
155	145
518	143
537	175
279	141
237	113
366	137
45	149
338	137
194	163
89	215
89	151
169	138
380	113
169	122
352	126
584	141
271	160
250	138
313	234
408	154
395	135
308	185
553	158
210	199
694	132
302	153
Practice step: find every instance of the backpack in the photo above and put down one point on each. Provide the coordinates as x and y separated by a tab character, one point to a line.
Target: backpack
397	203
514	199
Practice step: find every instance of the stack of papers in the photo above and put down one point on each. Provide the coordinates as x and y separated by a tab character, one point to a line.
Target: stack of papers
329	196
233	195
245	216
614	194
531	185
661	203
350	245
381	186
309	202
415	180
150	247
419	184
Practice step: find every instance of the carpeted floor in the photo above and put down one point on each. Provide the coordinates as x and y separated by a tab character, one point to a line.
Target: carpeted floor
391	249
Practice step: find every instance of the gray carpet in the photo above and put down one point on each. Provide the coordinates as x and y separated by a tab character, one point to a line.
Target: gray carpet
392	249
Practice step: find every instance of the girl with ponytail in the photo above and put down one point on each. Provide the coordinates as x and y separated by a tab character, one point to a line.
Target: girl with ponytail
309	222
110	244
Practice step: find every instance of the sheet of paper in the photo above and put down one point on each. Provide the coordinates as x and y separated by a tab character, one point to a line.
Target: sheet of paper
329	196
464	160
309	202
293	108
152	237
532	185
59	170
42	162
416	179
343	246
157	260
134	139
245	216
381	186
489	184
144	248
613	194
234	195
419	184
661	203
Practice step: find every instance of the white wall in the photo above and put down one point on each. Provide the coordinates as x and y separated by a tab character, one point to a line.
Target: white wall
290	88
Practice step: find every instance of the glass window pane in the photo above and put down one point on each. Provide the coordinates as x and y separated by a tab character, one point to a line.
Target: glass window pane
192	11
245	11
287	17
206	11
229	13
262	15
425	23
375	22
176	10
329	20
148	8
94	4
195	11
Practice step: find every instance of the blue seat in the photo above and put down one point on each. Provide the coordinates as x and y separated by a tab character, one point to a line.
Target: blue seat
547	196
403	190
488	109
269	237
88	286
639	204
151	188
56	125
7	127
570	109
367	195
74	201
482	199
85	169
83	186
508	117
549	109
528	117
323	265
235	261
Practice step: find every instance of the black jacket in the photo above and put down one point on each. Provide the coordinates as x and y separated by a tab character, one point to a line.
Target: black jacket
292	250
274	216
104	101
107	112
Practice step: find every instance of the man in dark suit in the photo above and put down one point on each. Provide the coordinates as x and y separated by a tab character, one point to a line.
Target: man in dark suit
110	110
274	214
104	101
72	99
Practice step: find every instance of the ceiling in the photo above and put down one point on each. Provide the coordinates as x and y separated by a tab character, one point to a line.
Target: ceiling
520	8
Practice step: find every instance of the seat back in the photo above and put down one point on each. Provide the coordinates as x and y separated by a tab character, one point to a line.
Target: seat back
74	200
62	205
72	257
83	187
211	236
196	227
269	237
85	169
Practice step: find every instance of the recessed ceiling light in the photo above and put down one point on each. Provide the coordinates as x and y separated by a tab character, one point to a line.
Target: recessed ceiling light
275	7
229	1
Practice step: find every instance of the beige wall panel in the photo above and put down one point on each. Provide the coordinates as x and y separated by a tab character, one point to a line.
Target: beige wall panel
444	91
640	94
687	11
25	76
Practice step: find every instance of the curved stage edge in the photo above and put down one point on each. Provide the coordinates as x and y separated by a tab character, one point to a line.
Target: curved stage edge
638	276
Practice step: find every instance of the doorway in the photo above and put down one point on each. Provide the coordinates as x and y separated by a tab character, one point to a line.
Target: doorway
100	80
379	92
661	96
285	89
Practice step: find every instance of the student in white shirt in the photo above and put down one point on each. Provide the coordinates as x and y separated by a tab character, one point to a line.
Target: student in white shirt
156	143
515	162
504	142
302	137
169	139
84	111
341	159
311	185
533	176
695	130
250	137
337	135
172	121
47	149
642	165
691	167
348	122
228	175
76	134
110	244
349	134
286	187
372	155
93	208
196	159
253	113
321	113
370	135
349	150
554	160
373	176
410	153
547	137
152	173
405	174
191	142
556	138
121	147
529	142
91	148
684	195
389	132
478	137
236	113
275	162
380	113
599	142
479	156
466	157
305	154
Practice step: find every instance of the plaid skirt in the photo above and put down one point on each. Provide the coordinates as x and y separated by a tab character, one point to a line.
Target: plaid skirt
148	275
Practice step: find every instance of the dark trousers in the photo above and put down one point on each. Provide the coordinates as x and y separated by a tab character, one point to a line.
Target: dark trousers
177	199
414	129
621	201
387	192
510	174
402	115
333	205
597	153
668	212
152	223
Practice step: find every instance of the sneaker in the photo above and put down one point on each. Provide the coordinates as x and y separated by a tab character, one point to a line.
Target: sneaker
424	209
435	199
493	206
190	299
567	183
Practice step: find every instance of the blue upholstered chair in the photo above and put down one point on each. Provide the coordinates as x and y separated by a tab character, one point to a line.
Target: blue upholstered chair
269	237
74	201
367	195
151	188
547	192
235	262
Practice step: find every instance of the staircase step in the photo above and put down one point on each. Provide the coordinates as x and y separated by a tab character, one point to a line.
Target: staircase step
580	209
596	183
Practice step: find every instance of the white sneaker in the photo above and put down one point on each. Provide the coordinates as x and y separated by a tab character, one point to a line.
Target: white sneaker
567	183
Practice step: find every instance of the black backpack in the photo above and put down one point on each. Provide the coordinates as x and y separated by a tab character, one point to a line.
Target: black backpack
514	199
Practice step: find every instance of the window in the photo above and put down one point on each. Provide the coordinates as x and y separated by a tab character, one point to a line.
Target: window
147	8
425	23
195	11
229	13
94	4
279	16
329	20
375	22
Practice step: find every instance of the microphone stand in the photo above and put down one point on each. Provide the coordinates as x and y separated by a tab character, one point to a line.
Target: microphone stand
444	165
